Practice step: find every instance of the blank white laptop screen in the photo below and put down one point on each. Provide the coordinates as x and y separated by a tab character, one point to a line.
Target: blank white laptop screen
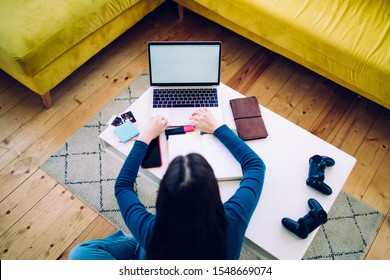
179	64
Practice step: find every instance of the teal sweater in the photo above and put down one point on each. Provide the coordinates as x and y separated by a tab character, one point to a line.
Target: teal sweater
238	209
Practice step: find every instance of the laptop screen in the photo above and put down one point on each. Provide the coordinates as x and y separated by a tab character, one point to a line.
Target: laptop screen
184	63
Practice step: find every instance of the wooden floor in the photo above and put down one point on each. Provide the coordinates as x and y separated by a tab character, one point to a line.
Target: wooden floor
40	219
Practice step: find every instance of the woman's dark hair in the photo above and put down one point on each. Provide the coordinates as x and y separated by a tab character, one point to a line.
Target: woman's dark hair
190	219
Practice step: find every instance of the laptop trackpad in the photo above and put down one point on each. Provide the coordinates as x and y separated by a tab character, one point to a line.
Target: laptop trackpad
176	116
180	116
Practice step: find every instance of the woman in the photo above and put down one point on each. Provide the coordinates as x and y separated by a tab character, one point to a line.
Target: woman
190	222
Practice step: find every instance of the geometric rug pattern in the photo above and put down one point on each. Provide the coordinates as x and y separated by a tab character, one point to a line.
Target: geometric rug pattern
349	231
82	166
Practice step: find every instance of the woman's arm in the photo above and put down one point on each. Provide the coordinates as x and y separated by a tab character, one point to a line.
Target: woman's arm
245	199
252	165
134	214
240	207
137	218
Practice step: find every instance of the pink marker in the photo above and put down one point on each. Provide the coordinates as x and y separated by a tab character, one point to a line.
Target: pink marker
189	128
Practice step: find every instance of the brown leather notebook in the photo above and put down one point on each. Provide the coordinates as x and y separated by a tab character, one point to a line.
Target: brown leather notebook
247	116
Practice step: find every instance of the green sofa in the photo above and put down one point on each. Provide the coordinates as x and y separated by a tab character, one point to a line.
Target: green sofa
346	41
44	41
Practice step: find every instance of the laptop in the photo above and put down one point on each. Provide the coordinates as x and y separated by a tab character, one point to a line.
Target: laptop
184	76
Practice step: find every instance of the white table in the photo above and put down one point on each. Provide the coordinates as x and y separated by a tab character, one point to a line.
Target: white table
286	152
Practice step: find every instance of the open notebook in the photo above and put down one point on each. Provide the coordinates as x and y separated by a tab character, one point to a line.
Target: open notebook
225	166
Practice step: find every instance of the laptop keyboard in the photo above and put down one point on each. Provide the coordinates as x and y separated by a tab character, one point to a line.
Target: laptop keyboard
190	97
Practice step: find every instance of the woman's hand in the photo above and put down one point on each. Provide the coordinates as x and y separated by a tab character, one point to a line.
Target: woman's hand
154	126
204	120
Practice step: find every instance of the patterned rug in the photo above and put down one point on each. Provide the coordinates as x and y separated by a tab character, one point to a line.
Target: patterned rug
86	170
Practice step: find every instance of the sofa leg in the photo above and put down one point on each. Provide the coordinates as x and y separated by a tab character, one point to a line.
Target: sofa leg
181	12
46	100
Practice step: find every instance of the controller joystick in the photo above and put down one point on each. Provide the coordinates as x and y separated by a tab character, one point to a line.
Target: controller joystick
316	217
317	173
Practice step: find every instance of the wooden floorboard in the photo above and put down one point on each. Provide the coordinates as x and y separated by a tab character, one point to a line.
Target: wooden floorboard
40	219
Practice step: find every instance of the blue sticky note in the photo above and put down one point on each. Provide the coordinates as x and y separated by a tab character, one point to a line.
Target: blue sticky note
126	131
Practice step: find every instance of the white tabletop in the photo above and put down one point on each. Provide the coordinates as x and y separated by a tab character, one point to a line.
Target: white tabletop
286	152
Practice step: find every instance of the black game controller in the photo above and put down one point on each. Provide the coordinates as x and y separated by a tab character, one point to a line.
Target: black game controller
317	173
316	217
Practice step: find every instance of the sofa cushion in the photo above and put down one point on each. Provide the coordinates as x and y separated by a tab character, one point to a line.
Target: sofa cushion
345	40
36	32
